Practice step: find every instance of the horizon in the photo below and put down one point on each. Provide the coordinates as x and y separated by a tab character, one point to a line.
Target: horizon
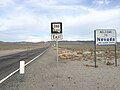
50	41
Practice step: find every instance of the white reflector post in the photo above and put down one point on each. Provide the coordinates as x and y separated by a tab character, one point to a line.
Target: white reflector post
22	67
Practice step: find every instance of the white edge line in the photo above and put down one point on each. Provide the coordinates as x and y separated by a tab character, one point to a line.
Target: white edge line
1	81
8	76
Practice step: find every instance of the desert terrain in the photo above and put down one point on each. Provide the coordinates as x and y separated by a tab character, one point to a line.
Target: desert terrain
7	48
75	70
85	52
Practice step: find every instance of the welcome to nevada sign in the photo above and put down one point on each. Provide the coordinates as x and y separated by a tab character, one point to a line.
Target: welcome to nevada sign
105	36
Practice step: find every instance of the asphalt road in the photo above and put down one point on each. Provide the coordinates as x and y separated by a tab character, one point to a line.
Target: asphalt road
10	63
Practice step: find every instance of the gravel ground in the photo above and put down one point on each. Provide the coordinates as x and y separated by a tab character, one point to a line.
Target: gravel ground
43	74
8	52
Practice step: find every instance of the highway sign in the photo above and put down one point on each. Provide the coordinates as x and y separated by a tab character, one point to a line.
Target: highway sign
56	37
105	37
56	27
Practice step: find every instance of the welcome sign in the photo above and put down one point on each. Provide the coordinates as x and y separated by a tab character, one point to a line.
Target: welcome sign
105	36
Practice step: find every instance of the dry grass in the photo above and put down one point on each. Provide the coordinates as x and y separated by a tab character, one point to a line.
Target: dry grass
86	52
12	46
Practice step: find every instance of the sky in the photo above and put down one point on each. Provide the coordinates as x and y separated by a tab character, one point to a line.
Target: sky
29	20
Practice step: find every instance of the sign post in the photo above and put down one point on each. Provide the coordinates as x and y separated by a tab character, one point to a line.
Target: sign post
115	55
95	48
105	37
57	53
56	34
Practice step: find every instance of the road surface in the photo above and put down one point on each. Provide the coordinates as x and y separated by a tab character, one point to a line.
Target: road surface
10	63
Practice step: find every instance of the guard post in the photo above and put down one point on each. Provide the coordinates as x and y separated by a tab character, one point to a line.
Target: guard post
22	67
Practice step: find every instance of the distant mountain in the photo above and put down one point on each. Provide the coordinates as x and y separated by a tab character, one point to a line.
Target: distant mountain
52	42
22	42
1	41
75	42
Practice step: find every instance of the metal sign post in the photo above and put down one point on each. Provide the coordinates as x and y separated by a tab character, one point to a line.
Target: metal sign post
115	55
56	34
105	37
95	48
57	55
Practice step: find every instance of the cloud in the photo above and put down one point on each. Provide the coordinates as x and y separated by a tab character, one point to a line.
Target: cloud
99	17
3	27
82	27
5	3
39	3
23	21
29	20
36	38
102	2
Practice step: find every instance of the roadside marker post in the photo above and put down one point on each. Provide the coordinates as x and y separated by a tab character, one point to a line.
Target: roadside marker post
22	67
56	35
105	37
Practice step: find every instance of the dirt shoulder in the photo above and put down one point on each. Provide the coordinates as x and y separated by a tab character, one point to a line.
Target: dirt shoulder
43	74
8	52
